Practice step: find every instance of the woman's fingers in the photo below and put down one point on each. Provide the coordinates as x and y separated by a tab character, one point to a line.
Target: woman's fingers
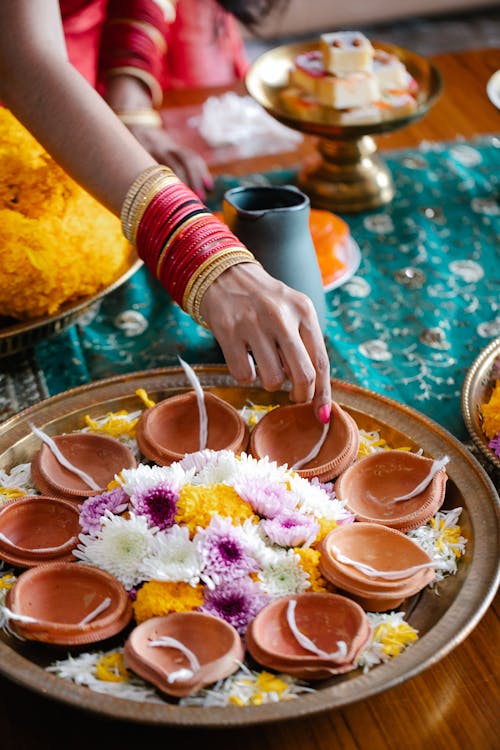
248	310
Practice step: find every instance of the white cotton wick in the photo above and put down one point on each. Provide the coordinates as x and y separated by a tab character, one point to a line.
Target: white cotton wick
38	550
315	450
8	614
437	465
63	460
183	674
371	572
200	397
306	642
97	611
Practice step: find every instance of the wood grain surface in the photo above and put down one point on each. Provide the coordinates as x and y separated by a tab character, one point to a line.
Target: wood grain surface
453	705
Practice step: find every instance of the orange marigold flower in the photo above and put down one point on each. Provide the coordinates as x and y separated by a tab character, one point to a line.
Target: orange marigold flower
158	598
197	505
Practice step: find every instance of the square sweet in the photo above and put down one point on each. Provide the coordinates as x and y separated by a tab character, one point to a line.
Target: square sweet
390	72
346	52
345	92
306	71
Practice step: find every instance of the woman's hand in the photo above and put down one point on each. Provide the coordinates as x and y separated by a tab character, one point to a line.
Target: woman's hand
186	163
249	311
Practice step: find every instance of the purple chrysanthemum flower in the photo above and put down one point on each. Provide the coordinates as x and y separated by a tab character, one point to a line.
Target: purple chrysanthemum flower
223	550
93	509
236	602
158	504
267	499
291	529
494	444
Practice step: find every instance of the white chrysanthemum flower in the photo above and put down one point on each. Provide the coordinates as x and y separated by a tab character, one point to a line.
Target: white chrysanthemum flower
316	501
390	634
262	469
144	478
258	545
285	575
442	541
221	469
120	547
19	478
246	688
173	557
81	670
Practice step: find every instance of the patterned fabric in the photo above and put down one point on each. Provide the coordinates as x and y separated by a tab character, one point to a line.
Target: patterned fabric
423	303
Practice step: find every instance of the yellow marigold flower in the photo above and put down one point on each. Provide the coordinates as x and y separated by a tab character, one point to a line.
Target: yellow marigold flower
309	559
490	412
7	581
325	525
270	683
158	598
58	243
114	424
394	638
198	504
111	668
9	493
450	537
148	403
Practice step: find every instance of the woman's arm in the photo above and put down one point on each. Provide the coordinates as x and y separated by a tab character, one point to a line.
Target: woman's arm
246	309
54	102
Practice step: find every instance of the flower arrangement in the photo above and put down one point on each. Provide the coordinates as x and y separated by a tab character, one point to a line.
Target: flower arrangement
223	534
490	413
58	243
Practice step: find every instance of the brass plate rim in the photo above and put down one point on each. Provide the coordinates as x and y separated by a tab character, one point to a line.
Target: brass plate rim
465	611
18	336
477	383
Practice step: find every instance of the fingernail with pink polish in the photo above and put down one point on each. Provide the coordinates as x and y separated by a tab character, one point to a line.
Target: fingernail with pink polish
324	413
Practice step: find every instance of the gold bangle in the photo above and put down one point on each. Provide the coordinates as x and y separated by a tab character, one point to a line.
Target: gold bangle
131	192
149	117
231	261
198	275
143	197
147	78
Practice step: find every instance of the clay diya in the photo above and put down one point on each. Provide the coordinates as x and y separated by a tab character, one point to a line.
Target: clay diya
395	488
171	429
79	464
67	604
182	652
289	434
36	529
377	566
311	635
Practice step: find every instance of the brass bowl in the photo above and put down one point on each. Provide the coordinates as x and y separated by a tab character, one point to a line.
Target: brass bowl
348	174
476	390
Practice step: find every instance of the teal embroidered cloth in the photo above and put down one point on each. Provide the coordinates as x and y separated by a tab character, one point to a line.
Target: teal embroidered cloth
423	302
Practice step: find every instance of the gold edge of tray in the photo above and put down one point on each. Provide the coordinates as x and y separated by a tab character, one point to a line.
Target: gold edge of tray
466	608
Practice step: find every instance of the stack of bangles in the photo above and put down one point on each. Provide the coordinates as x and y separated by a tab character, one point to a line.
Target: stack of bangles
181	242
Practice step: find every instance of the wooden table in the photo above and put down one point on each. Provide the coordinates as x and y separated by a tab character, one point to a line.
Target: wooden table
455	704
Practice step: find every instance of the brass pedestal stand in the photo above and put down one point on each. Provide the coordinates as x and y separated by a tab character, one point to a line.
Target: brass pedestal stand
346	175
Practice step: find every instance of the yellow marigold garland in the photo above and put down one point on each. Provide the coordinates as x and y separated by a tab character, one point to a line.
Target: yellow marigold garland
158	598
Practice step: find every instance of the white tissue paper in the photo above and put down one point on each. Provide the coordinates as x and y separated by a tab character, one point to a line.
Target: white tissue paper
231	119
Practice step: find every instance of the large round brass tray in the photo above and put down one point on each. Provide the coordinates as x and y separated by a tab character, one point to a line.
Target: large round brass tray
442	621
348	174
476	390
16	336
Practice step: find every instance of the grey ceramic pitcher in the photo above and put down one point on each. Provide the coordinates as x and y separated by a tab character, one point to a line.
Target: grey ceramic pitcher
273	222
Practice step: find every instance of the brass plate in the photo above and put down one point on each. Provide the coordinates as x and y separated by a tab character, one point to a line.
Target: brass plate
18	336
443	621
267	80
476	390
